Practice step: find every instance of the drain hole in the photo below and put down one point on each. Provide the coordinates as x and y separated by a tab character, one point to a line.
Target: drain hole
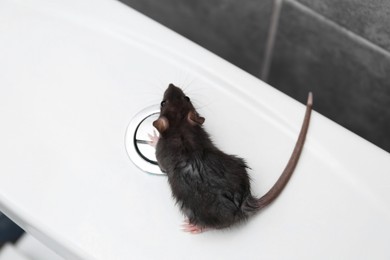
141	153
141	139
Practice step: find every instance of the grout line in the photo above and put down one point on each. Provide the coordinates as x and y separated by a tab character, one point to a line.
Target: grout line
343	29
273	27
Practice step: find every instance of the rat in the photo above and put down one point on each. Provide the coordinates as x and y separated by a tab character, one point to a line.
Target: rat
211	188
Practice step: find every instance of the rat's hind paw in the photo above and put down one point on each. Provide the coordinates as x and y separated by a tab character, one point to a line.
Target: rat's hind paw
193	229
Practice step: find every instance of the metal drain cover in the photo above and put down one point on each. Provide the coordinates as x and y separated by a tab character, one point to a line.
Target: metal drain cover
141	153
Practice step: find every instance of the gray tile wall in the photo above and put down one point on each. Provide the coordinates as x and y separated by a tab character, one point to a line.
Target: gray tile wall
338	49
368	18
234	30
349	76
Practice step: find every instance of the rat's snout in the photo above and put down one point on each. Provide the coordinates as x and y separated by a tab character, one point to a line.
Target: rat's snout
171	88
173	93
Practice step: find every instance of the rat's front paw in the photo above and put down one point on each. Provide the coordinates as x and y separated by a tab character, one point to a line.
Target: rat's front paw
153	139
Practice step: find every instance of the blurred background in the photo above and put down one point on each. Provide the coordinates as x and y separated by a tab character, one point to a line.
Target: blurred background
340	50
9	232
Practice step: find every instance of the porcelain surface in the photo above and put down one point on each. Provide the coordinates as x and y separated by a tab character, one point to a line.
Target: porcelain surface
72	76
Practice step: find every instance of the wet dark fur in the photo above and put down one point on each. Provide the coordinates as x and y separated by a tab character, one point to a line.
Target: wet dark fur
211	188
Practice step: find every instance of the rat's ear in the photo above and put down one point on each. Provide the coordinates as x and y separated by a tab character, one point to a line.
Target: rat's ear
161	124
194	118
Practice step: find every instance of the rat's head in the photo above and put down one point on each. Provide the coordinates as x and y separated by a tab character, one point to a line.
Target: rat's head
176	111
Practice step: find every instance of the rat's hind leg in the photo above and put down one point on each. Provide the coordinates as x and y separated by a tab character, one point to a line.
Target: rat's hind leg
192	228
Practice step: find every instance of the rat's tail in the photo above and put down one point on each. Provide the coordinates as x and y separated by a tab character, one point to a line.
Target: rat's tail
274	192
